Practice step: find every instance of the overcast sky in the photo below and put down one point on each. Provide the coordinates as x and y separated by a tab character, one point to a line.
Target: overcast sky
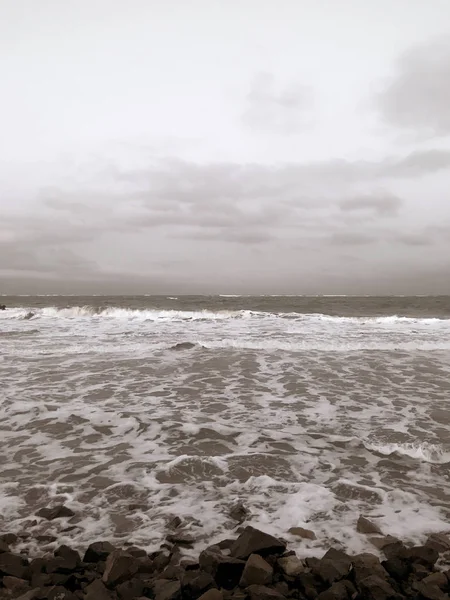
230	146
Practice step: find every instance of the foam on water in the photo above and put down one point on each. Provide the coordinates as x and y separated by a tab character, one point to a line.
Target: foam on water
307	419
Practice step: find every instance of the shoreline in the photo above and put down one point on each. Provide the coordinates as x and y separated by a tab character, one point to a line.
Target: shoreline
253	565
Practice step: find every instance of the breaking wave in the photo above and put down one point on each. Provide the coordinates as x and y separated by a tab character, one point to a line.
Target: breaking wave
424	451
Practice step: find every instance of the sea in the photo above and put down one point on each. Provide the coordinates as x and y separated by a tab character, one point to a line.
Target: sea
289	411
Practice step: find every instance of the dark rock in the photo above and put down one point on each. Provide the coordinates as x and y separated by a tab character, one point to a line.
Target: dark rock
98	551
397	568
137	552
438	578
15	585
195	583
161	560
335	565
239	513
439	541
97	591
130	589
172	572
120	567
46	539
309	584
2	306
423	555
365	565
419	571
3	547
180	538
212	594
342	590
145	565
30	595
183	346
167	590
9	538
367	527
175	523
261	592
376	588
69	559
59	593
291	565
386	541
300	532
226	570
14	565
256	572
58	512
431	592
254	541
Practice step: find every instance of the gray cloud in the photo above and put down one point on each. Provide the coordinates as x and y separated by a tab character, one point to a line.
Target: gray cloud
384	204
272	109
418	97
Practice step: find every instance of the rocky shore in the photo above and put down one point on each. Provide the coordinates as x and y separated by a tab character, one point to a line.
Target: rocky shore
253	566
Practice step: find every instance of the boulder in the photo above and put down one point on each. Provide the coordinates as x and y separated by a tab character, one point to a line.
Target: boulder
261	592
300	532
213	594
181	538
58	592
431	591
256	572
239	513
438	578
34	594
15	585
367	527
97	591
130	589
98	551
334	565
254	541
196	583
291	565
439	541
137	552
226	570
423	555
376	588
9	538
3	547
397	568
57	512
120	566
167	590
342	590
14	565
367	564
69	559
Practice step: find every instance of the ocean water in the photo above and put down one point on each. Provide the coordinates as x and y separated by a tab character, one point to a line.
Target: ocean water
309	411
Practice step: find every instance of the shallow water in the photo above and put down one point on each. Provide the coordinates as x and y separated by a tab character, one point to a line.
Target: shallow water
309	411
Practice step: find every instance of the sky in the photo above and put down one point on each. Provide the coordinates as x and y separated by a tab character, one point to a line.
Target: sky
225	146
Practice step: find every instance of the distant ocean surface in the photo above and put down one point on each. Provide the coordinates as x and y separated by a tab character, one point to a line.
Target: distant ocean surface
308	411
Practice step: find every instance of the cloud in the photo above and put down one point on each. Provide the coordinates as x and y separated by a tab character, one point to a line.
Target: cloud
385	204
417	98
271	109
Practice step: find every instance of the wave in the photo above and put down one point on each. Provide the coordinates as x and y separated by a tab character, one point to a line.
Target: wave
424	451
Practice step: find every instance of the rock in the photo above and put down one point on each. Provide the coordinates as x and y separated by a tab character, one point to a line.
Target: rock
97	591
439	541
161	560
180	538
367	527
167	590
397	568
438	578
385	541
9	538
11	564
226	570
2	306
3	547
58	592
98	551
212	594
195	583
365	565
256	572
137	552
291	565
334	565
431	592
15	585
239	513
342	590
120	567
183	346
30	595
305	534
130	589
308	583
58	512
376	588
253	541
423	555
261	592
70	559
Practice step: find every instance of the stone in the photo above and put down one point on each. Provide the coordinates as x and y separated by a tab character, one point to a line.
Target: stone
212	594
58	592
57	512
98	551
254	541
70	559
423	555
97	591
256	572
342	590
3	547
239	513
130	589
367	564
195	583
308	583
120	567
15	585
438	578
291	565
431	592
261	592
14	565
330	571
305	534
376	588
160	561
397	568
9	538
167	590
385	541
226	570
367	527
137	552
180	538
183	346
439	541
30	595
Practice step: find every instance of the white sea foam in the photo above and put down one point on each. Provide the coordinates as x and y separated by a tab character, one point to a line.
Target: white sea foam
424	451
